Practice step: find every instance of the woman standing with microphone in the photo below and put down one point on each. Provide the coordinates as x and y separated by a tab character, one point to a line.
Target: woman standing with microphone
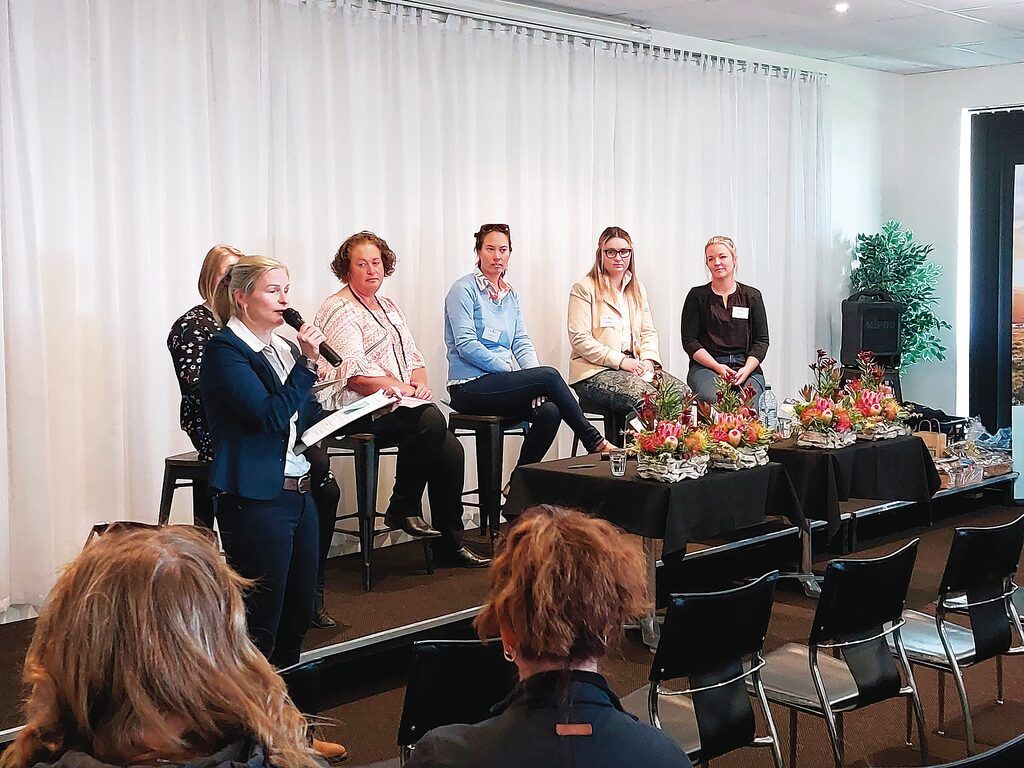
257	390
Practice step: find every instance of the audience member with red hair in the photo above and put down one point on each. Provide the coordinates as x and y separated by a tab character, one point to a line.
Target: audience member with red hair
561	587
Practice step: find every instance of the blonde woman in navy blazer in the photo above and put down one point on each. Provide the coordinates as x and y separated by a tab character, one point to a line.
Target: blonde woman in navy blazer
257	390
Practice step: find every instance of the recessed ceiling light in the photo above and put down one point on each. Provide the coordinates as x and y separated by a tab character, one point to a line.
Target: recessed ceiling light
841	7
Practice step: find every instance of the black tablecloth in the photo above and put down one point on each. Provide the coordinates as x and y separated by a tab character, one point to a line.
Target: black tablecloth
900	469
719	502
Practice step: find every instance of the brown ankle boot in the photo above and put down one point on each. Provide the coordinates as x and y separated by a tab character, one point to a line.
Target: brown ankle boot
330	751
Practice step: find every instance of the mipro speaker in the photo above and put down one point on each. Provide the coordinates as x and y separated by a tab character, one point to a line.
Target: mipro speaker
871	322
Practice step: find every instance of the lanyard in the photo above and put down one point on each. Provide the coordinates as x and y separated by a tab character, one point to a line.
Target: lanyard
398	334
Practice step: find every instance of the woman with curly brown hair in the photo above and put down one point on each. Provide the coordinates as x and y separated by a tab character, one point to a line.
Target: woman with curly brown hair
561	586
141	656
371	335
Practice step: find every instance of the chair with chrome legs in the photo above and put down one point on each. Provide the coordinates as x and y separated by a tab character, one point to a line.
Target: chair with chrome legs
978	582
860	606
714	640
451	681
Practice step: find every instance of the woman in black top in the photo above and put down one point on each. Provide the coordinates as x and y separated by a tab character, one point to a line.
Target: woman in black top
724	326
561	587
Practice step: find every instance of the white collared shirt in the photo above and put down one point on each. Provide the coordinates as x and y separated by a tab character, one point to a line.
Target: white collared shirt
279	354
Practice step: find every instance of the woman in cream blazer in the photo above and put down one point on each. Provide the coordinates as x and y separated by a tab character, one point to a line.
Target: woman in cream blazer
614	342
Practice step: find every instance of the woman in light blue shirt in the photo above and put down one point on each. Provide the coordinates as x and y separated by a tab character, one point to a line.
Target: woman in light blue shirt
492	366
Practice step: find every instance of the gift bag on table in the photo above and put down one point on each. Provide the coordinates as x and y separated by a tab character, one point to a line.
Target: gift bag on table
933	437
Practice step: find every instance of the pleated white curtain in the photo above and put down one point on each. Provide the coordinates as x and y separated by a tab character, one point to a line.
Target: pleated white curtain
134	135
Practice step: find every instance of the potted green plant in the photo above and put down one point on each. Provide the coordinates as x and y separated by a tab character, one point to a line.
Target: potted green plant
891	261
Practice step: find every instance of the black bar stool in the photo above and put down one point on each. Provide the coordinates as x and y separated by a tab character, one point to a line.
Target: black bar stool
183	471
490	433
365	450
614	425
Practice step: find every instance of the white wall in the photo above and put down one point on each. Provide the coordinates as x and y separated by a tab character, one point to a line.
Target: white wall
928	178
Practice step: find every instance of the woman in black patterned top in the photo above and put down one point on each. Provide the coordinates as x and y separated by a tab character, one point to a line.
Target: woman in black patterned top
186	343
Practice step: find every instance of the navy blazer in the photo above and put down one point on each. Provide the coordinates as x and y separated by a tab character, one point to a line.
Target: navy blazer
522	735
248	410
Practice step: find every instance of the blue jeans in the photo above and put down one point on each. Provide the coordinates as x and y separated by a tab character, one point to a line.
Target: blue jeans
702	380
275	544
511	394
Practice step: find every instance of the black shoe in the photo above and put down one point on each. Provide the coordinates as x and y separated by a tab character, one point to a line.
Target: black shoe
322	619
464	557
415	526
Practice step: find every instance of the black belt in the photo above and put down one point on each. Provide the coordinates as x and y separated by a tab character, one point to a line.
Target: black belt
300	484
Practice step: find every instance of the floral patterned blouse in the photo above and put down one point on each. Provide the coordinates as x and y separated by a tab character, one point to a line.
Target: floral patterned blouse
370	342
186	343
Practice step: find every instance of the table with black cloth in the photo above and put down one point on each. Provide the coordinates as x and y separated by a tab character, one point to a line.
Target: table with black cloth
899	469
719	502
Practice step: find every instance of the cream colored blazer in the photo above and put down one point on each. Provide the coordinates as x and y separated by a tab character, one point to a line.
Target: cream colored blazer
596	330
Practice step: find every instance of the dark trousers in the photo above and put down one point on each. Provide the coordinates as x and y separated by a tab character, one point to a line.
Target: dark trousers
326	494
428	456
511	394
275	544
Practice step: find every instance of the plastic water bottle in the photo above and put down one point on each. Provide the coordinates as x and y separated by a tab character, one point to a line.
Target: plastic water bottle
768	408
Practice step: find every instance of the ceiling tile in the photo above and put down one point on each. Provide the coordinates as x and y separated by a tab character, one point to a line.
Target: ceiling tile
1012	50
836	41
951	57
1008	15
888	64
958	5
823	11
940	29
723	19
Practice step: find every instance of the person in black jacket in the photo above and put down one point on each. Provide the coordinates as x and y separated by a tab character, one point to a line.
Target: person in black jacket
187	342
258	392
561	586
140	657
724	327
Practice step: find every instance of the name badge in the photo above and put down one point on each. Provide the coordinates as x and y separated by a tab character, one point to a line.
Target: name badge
608	321
395	318
741	313
491	334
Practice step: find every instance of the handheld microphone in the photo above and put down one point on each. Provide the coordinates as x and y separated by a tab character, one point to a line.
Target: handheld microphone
294	319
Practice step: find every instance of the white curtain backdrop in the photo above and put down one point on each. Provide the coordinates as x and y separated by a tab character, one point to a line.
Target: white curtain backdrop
134	135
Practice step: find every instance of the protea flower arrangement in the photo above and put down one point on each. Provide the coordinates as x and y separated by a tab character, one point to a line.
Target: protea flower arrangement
824	412
738	439
668	447
880	415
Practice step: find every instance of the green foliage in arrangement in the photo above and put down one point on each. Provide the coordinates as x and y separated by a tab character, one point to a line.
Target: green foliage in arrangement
891	261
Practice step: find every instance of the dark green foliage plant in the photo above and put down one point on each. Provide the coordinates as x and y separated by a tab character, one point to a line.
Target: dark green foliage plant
891	261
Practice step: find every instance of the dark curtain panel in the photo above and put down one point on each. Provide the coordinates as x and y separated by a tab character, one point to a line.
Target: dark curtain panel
997	145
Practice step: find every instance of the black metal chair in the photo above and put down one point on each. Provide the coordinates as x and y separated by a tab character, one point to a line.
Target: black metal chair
452	681
860	606
978	582
184	471
1008	755
365	450
489	433
714	640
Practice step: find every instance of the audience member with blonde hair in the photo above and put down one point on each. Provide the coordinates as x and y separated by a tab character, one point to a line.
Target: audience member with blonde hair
561	586
140	656
724	326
